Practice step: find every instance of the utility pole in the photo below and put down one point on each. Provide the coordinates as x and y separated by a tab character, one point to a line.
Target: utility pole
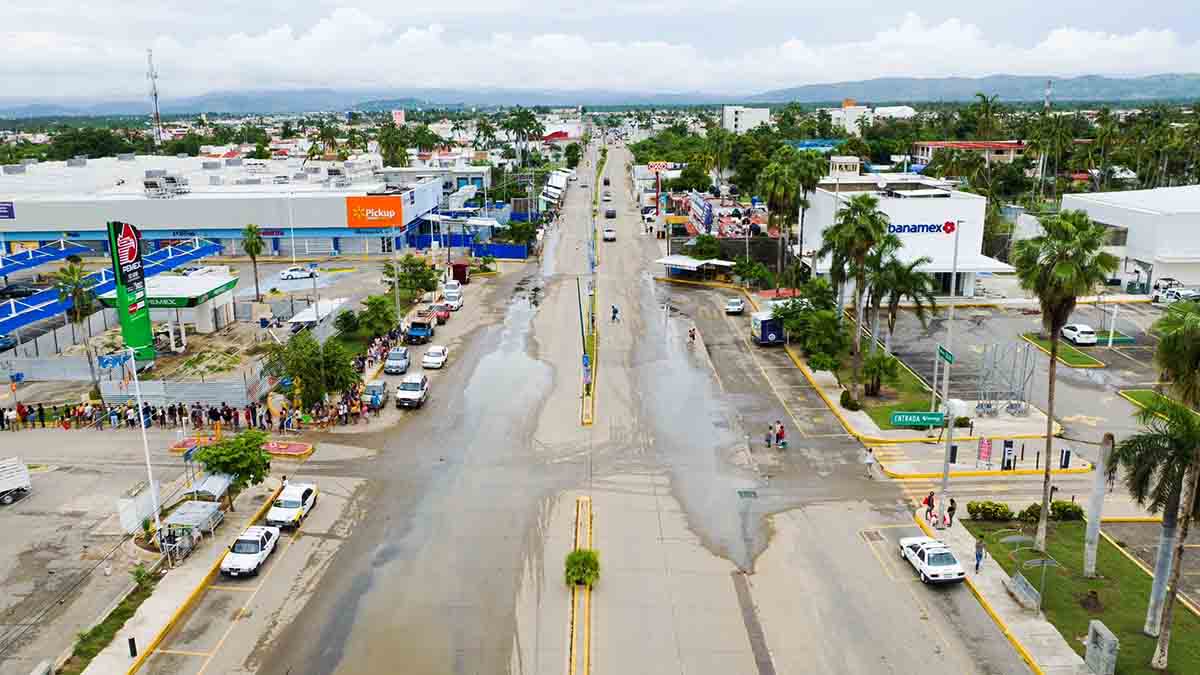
950	414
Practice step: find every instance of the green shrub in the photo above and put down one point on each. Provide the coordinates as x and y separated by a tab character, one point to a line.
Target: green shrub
346	322
1031	513
1062	510
848	401
141	576
962	422
989	510
582	567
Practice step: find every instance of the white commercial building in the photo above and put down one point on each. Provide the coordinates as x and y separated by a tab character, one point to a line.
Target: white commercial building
925	213
1155	233
852	117
739	120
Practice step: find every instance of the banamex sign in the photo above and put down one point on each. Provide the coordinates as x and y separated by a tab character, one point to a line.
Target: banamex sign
947	227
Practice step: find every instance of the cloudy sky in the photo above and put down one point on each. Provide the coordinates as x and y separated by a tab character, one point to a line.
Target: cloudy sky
64	48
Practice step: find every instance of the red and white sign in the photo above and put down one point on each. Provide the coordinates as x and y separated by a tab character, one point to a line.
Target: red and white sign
658	167
398	117
127	245
985	450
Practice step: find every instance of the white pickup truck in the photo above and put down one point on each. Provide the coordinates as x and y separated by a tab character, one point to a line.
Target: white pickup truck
14	480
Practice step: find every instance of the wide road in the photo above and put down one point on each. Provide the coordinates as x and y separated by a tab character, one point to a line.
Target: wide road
719	555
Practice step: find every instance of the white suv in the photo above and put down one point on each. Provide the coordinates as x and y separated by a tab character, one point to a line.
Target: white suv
250	551
1172	295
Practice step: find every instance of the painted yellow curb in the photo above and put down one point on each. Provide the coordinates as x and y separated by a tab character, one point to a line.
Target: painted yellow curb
1098	364
984	474
1131	519
194	595
987	607
1134	559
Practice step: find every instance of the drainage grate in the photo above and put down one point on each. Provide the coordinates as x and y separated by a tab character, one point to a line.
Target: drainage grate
872	535
748	494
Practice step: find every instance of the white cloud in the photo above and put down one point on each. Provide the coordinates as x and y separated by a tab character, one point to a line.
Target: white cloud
376	48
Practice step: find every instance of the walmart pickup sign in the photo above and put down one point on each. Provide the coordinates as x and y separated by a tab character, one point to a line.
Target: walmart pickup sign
918	419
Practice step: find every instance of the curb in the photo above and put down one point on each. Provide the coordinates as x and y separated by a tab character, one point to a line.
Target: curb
986	474
1134	559
194	595
987	607
1098	364
1130	519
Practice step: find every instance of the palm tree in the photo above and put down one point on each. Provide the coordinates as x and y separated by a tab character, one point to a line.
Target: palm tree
485	134
858	228
810	168
985	116
878	261
906	280
1178	360
327	134
75	286
1155	463
254	245
392	145
1106	133
779	187
1066	261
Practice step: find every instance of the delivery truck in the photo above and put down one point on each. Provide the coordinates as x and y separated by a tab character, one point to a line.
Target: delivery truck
765	329
14	480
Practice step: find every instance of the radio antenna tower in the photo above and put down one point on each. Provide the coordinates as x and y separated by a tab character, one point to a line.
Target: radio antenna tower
1049	91
1042	154
155	118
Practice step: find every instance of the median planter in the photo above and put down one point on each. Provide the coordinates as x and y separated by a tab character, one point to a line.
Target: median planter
582	567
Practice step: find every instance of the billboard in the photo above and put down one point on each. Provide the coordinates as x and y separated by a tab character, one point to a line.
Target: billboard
398	117
125	243
375	211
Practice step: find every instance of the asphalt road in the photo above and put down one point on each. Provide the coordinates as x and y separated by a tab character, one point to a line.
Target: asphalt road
721	556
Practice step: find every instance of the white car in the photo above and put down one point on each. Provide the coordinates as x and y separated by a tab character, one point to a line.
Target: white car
607	197
610	234
1079	333
413	391
250	551
452	286
735	306
1172	295
298	272
292	505
435	357
934	562
453	301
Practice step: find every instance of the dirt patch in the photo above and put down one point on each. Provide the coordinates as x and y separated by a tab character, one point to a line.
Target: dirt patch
1091	602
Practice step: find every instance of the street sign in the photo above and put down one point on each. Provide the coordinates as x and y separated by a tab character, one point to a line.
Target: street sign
945	355
918	419
107	361
17	377
658	167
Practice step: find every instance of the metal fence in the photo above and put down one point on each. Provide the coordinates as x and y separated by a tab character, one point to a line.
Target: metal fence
54	341
57	369
236	390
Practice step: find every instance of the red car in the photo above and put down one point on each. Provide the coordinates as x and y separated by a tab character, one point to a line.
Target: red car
441	312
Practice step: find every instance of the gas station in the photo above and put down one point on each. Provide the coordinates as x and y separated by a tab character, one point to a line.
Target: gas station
204	300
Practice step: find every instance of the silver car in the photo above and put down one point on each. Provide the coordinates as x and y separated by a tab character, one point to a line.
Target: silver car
397	361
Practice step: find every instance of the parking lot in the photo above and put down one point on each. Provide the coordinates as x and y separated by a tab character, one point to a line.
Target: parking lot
233	616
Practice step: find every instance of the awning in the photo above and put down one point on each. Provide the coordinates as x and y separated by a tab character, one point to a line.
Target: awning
324	307
214	486
967	262
687	262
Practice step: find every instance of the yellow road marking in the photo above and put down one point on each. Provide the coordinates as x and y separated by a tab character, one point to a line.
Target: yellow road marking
182	652
778	396
240	589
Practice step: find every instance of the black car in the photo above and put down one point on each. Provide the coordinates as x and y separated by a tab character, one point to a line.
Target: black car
18	290
7	342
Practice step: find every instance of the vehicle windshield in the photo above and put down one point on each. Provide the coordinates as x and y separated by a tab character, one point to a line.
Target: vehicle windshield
434	352
398	354
410	386
374	389
941	559
245	546
287	503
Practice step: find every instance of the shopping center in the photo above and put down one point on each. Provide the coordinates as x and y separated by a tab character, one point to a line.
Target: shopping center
302	207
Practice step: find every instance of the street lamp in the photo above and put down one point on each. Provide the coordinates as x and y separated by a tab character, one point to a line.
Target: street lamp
128	355
951	416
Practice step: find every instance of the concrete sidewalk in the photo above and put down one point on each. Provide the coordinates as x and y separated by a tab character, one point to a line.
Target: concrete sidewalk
924	460
180	587
1035	638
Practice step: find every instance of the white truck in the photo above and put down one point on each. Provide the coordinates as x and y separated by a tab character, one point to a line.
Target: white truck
14	480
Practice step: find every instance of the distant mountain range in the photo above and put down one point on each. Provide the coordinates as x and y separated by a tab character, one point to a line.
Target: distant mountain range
894	89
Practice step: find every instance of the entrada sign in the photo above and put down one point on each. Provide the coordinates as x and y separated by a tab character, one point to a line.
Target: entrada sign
947	227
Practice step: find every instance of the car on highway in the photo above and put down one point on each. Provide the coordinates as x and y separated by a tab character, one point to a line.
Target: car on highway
1079	333
7	342
610	234
454	285
19	290
292	505
435	357
610	213
1172	295
440	311
606	180
397	361
413	391
374	388
453	301
932	560
298	272
249	551
735	306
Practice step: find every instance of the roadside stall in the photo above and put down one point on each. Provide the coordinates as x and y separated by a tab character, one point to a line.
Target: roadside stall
185	527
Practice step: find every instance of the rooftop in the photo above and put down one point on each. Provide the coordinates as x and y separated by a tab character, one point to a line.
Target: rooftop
1162	201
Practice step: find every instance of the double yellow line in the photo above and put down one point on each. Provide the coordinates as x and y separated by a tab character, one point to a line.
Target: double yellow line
581	646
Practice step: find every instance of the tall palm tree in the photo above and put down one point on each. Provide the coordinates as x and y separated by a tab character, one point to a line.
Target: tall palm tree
1106	133
985	116
485	134
906	280
1178	360
858	228
74	285
878	262
779	187
1066	261
254	245
1155	463
810	168
393	144
327	134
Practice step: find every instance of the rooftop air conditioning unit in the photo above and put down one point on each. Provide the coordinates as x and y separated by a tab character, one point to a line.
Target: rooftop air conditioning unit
301	176
29	161
125	157
233	161
209	165
155	173
10	169
77	161
216	180
181	155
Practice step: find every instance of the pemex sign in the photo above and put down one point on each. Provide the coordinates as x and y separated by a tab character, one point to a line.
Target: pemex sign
125	243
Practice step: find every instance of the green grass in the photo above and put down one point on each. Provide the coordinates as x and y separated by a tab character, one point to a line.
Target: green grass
906	394
1144	397
1067	354
93	641
1123	589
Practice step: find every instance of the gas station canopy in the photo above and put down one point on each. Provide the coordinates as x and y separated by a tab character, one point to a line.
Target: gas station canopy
177	292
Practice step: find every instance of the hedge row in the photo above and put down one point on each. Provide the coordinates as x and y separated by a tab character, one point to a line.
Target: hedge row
988	510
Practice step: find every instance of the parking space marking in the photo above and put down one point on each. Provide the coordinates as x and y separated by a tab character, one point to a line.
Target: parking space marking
182	652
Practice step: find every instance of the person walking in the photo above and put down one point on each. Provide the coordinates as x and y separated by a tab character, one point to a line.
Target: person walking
950	510
870	462
41	414
928	503
616	315
780	435
770	435
979	553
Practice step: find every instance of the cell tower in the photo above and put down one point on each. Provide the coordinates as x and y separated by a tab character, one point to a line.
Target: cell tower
1049	91
155	118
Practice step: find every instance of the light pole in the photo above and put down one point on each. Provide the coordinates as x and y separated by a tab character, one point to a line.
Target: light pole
950	414
292	226
395	274
137	392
